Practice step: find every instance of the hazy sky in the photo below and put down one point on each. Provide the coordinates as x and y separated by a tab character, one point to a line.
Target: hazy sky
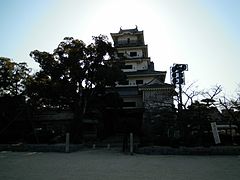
205	34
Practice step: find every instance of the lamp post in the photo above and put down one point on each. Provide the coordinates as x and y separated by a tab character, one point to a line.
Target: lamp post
178	78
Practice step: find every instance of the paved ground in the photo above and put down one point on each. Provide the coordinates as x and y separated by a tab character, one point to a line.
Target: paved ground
102	164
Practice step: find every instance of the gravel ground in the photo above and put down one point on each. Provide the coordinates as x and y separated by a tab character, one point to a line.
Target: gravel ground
102	164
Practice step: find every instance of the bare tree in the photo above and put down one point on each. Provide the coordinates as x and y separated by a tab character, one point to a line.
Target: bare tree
228	106
236	102
211	95
190	94
232	108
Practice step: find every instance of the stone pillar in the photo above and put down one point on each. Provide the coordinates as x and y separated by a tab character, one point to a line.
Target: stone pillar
131	143
67	142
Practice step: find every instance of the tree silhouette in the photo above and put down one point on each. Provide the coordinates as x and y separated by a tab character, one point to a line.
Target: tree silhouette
73	75
13	77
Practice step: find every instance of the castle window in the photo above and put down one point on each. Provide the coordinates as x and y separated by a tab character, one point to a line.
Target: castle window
120	55
129	104
133	54
139	82
127	66
124	82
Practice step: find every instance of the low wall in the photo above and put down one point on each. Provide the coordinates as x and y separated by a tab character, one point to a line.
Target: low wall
40	147
214	150
149	150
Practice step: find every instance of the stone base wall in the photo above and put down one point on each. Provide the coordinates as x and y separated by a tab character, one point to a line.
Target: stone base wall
214	150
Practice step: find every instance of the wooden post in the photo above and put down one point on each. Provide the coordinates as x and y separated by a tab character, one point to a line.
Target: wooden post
67	142
131	143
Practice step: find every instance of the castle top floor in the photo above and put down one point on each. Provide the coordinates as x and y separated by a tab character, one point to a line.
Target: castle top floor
128	38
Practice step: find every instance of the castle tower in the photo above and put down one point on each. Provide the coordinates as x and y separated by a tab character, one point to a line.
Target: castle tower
141	75
145	92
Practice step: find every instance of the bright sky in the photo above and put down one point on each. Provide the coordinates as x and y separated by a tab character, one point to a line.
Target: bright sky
201	33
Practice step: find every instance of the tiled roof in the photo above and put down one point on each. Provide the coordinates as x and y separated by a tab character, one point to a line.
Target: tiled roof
134	30
158	86
146	72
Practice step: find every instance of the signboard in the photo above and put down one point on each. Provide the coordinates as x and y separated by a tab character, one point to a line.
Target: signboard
215	133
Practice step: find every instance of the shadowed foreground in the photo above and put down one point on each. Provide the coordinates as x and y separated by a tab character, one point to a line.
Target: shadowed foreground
110	164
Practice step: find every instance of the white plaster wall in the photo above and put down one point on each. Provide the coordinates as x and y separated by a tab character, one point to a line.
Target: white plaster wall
125	38
127	53
142	65
134	67
132	80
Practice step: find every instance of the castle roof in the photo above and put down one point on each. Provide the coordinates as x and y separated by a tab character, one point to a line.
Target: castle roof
158	86
146	72
127	31
135	30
